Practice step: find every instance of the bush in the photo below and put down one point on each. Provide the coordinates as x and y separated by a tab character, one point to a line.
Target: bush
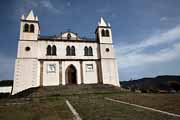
153	90
175	85
143	90
4	95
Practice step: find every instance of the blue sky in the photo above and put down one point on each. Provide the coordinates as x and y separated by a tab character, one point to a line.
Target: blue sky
146	33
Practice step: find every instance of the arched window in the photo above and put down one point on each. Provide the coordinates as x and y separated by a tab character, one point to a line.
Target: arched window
73	52
48	50
103	32
68	51
54	50
86	51
90	51
31	28
26	28
107	33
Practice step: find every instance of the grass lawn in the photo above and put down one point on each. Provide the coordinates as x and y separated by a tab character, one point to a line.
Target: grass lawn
92	107
165	102
49	109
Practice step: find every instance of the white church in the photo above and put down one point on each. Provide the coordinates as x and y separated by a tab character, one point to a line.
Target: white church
63	59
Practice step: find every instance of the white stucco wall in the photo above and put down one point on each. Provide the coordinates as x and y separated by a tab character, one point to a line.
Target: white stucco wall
90	77
61	50
32	53
107	54
50	78
26	74
110	72
109	64
38	49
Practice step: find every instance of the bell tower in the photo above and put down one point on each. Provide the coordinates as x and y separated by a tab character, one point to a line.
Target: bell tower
108	63
29	27
27	66
103	32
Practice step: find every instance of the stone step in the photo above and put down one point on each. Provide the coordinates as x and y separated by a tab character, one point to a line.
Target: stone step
68	90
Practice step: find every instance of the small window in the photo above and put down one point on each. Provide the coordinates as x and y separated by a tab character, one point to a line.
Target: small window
27	48
26	27
107	50
54	50
68	50
48	50
89	67
90	51
107	33
73	52
51	68
103	32
31	28
86	51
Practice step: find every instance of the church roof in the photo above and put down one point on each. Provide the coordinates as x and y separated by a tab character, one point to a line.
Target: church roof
70	36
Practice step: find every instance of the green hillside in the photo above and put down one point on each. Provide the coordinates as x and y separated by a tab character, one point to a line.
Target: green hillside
49	103
158	83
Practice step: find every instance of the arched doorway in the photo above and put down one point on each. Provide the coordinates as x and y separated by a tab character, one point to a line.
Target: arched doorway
71	75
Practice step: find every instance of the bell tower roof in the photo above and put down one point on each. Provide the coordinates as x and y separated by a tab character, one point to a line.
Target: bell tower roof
22	17
109	25
102	22
30	16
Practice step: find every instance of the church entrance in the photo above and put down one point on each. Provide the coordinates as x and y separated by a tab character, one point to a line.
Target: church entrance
71	75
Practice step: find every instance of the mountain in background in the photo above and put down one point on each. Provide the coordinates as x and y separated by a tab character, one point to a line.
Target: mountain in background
166	82
4	83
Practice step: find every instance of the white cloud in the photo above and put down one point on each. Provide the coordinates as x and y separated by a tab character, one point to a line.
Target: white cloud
154	40
47	4
135	55
40	4
163	19
139	59
69	4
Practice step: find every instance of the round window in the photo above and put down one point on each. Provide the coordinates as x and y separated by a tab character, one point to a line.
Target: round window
107	49
68	36
27	48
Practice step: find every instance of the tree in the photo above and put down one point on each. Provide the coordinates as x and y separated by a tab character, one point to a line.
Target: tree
174	85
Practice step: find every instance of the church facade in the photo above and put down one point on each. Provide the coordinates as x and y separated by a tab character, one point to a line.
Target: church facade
63	59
